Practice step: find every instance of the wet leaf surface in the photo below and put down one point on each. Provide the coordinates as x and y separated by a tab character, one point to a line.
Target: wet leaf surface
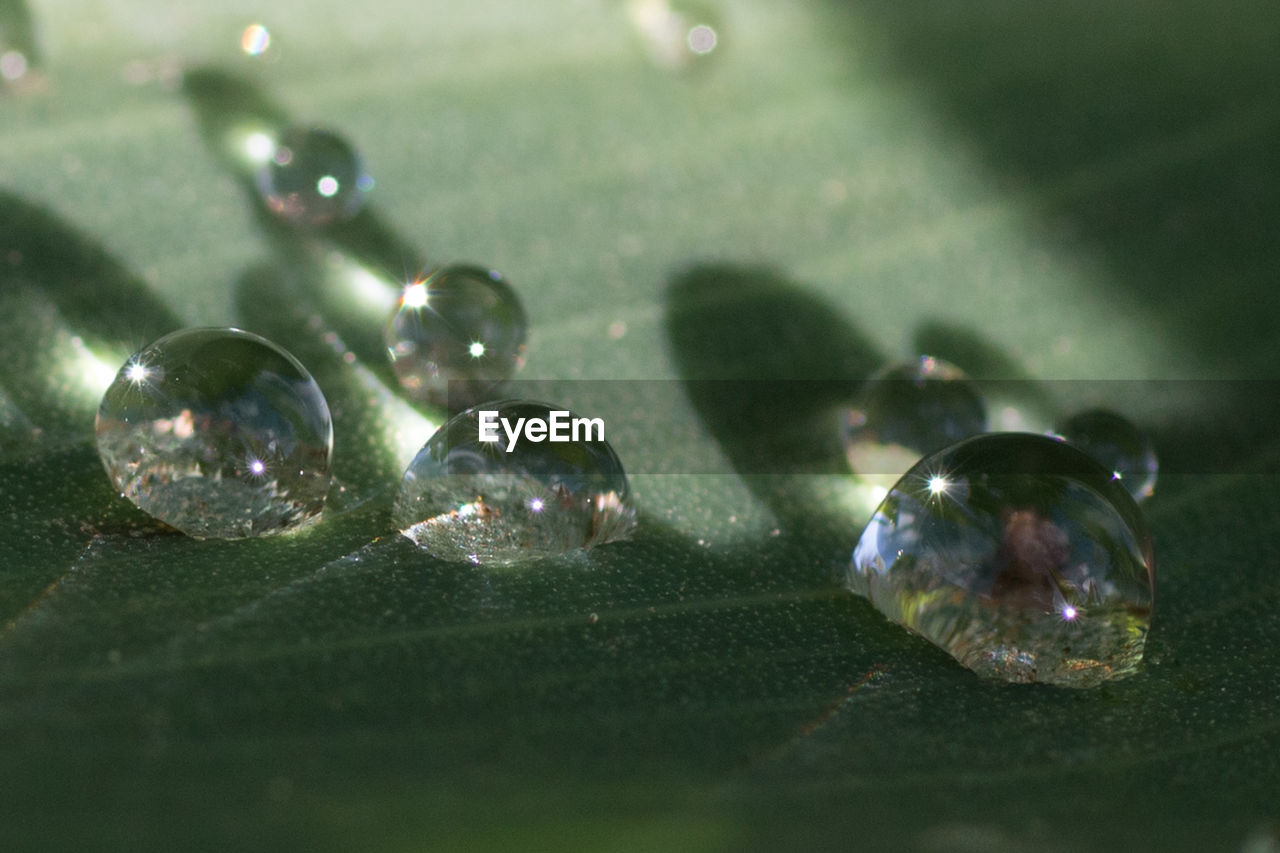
1044	194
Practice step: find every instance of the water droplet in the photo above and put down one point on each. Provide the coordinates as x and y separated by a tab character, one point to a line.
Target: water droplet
218	433
677	35
255	40
1118	445
19	53
905	411
485	502
13	65
456	335
313	178
1018	555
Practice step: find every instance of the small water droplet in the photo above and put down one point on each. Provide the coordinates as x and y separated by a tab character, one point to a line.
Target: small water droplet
1018	555
313	178
219	433
1118	445
456	335
677	35
19	52
255	40
905	411
13	65
465	500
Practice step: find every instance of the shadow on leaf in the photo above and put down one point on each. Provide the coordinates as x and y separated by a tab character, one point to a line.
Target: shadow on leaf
767	366
70	314
351	270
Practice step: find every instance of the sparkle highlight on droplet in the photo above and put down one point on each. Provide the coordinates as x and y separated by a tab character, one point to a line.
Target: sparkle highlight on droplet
456	336
415	296
258	147
136	373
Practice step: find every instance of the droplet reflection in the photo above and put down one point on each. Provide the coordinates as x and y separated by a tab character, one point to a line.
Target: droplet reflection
218	433
465	500
456	335
313	177
1118	445
905	411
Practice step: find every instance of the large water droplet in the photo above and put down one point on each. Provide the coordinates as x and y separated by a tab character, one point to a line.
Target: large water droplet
218	433
464	499
457	335
906	411
313	178
1017	554
1118	445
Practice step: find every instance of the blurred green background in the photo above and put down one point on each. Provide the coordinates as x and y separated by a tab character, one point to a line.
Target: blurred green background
1078	191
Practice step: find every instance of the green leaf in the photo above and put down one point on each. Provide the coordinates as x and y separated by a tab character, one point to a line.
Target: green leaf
1039	193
